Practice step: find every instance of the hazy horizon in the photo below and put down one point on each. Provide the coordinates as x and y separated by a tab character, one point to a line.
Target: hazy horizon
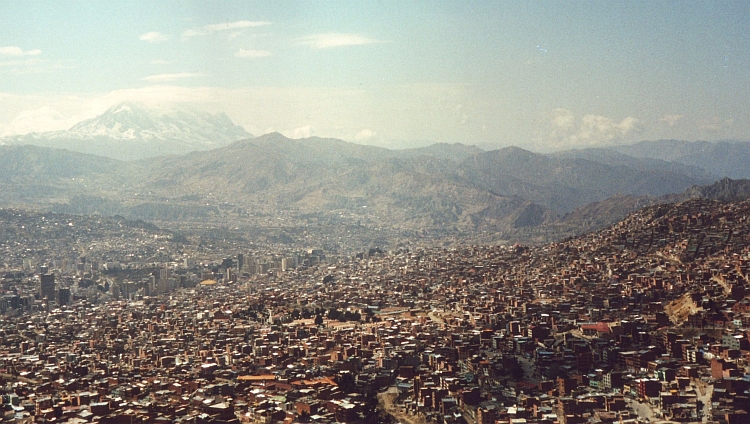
541	76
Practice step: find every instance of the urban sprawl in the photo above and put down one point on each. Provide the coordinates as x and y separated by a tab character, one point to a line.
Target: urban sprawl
648	320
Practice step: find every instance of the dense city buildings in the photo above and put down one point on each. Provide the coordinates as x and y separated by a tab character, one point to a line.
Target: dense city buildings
644	321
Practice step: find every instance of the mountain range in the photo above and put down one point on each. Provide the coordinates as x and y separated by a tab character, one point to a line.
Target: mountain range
132	131
719	159
510	193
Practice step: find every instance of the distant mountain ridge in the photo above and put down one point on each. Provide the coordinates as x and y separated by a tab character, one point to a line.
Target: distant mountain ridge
561	184
442	189
132	131
719	159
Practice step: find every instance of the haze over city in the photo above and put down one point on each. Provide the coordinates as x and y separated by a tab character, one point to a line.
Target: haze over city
374	212
541	75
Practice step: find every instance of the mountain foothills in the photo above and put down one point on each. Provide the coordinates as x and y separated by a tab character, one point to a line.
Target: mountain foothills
293	185
667	282
132	131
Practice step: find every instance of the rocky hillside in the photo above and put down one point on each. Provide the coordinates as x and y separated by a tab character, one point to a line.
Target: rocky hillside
418	188
443	189
726	190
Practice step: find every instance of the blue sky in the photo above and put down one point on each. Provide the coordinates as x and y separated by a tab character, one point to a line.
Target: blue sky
540	75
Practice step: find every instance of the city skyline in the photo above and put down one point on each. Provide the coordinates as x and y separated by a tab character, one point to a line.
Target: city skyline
543	76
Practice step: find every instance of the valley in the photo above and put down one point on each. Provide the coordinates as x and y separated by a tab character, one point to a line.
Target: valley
443	193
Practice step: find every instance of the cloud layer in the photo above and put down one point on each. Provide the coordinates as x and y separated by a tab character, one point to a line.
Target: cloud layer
213	28
590	130
171	77
670	120
252	53
153	37
425	114
716	124
17	51
330	40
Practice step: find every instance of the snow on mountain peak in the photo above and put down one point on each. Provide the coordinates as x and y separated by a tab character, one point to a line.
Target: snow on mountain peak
133	131
122	108
130	121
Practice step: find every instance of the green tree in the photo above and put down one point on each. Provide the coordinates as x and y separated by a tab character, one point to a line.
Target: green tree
515	370
346	382
334	314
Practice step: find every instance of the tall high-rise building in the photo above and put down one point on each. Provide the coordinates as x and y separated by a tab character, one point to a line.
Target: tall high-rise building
164	272
227	263
47	288
240	262
63	296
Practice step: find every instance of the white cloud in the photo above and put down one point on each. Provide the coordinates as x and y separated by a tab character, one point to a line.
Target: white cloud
17	51
235	25
301	132
295	111
193	32
252	53
591	130
716	124
210	29
30	120
563	118
153	37
20	62
670	120
365	134
330	40
171	77
25	65
599	128
22	114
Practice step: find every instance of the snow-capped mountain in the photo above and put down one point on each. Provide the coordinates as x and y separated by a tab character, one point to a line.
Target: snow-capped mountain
133	131
128	121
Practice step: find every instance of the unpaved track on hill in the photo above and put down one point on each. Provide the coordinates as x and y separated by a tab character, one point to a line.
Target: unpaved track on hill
385	402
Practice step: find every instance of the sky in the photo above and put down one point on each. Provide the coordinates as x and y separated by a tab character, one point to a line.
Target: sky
542	75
